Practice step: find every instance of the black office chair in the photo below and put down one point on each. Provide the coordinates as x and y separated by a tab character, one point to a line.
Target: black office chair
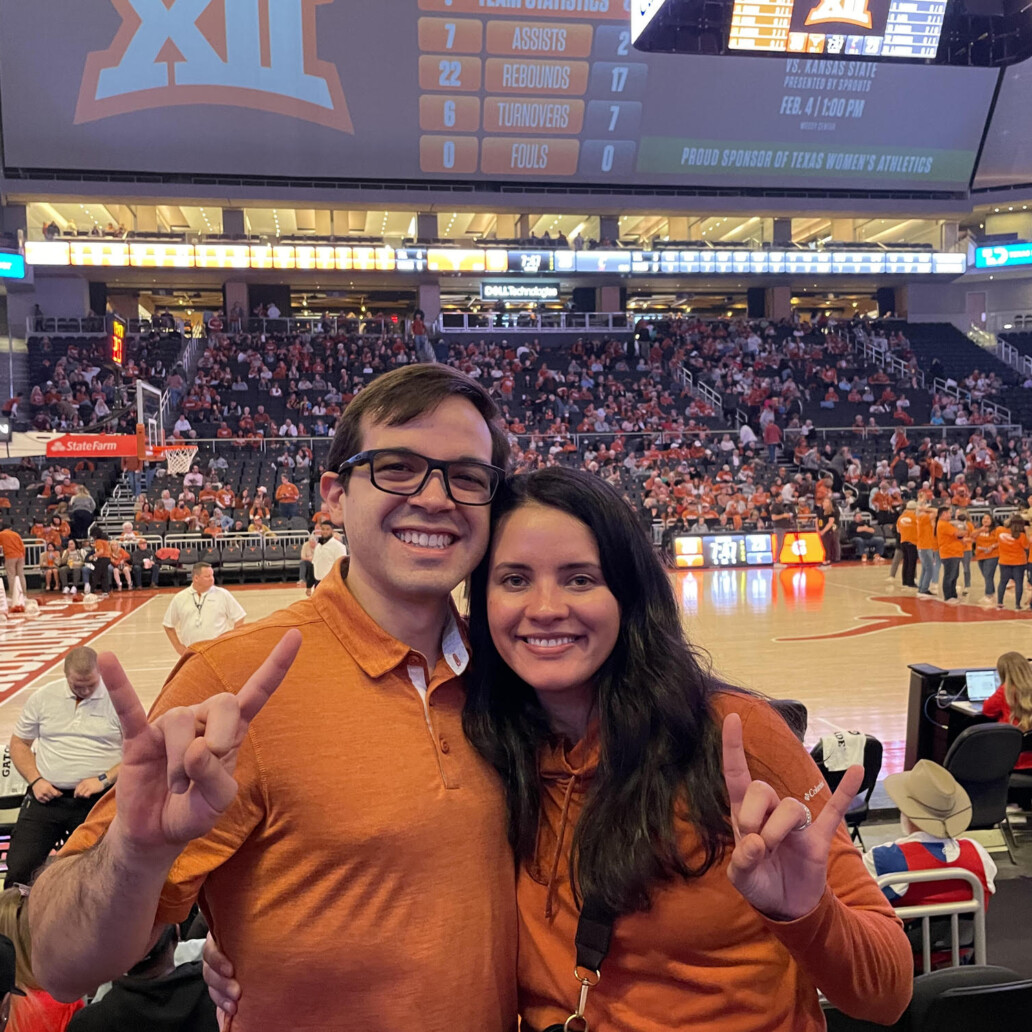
982	759
959	999
860	806
793	712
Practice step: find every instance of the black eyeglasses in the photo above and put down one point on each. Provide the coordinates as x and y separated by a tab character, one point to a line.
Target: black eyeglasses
400	472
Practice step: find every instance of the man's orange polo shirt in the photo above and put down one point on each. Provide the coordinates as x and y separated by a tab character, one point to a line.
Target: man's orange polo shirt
362	879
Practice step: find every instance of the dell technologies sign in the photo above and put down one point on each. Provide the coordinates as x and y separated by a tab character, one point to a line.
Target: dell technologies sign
519	291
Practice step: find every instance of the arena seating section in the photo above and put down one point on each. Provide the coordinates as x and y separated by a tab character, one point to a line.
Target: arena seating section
595	403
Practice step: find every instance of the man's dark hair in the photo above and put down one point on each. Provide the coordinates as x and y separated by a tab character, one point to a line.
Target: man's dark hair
200	567
400	396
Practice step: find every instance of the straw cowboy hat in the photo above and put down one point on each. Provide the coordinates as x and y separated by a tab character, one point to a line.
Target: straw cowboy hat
932	798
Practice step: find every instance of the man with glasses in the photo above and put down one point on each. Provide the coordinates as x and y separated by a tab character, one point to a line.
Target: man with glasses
361	873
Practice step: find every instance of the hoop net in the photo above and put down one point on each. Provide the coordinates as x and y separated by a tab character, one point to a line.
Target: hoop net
179	458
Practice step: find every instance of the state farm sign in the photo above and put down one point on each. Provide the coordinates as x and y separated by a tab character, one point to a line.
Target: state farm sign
103	446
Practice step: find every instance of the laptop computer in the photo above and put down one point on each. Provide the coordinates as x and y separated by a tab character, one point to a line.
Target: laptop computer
980	684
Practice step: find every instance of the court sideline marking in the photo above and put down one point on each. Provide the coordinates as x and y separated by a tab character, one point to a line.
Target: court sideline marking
33	648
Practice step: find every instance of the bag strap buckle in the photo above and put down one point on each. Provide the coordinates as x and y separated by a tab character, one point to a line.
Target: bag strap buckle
588	979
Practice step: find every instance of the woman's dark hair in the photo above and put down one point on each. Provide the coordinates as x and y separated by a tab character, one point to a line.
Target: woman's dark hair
660	752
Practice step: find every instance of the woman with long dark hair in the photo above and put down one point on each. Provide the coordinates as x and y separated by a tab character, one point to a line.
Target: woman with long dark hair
987	555
605	725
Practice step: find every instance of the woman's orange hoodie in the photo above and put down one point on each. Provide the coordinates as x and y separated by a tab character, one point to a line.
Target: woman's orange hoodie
702	957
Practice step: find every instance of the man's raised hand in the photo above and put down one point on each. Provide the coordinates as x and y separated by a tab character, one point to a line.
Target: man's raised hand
780	861
176	778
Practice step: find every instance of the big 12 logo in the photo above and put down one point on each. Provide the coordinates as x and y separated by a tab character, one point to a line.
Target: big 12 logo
243	53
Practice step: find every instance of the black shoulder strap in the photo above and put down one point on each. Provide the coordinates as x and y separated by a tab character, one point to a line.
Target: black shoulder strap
594	931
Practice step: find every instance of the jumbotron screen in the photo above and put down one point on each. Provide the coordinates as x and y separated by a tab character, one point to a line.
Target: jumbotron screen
528	91
869	28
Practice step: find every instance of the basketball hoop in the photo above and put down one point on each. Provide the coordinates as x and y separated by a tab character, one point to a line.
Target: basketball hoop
179	458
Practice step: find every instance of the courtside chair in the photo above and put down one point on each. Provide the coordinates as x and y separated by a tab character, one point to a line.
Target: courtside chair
1021	781
275	561
212	556
963	999
860	806
187	558
982	759
253	561
233	561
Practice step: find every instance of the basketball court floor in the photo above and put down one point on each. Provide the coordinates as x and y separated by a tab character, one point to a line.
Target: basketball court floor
839	640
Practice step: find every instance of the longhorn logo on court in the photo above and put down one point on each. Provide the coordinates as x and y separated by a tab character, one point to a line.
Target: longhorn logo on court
258	54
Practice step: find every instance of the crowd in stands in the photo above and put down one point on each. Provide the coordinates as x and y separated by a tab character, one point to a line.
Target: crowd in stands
621	408
74	386
959	403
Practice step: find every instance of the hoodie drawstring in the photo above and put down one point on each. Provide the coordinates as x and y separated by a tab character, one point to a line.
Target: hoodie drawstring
552	877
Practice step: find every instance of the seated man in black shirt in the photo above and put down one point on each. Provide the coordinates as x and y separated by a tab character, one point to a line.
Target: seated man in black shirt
867	541
145	566
155	995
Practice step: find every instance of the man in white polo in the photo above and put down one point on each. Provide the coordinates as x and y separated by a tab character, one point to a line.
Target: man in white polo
201	612
78	751
329	551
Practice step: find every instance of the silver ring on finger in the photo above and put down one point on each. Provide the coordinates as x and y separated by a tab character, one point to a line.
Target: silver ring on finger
808	820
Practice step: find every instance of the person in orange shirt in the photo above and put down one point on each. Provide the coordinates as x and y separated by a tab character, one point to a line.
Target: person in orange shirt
99	579
987	555
13	548
287	496
347	914
1013	553
48	563
181	512
121	570
927	549
949	535
56	532
906	528
960	494
224	498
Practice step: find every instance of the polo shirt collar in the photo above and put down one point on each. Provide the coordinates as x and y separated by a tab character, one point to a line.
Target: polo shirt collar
373	649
